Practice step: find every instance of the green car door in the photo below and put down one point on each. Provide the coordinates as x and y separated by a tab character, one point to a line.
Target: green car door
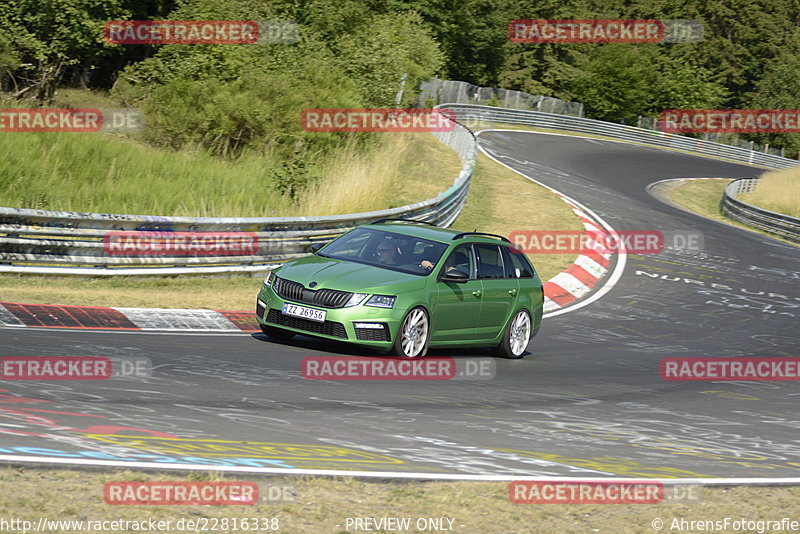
499	291
457	305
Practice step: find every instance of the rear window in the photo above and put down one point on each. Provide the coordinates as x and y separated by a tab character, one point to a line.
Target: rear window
520	265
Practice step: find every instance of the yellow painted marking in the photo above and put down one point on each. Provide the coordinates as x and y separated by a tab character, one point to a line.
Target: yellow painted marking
610	464
245	449
730	395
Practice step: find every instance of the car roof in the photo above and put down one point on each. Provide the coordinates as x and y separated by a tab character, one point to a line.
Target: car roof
433	233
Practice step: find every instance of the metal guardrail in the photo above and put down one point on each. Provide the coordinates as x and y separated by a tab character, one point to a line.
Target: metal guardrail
785	226
769	221
788	227
438	91
472	116
62	242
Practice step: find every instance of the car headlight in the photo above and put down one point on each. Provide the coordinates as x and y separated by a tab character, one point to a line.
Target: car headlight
381	301
356	299
268	279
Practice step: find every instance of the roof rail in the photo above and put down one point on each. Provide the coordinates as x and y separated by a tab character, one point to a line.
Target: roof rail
462	234
403	220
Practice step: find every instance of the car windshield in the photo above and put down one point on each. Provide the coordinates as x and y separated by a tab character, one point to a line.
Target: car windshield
398	252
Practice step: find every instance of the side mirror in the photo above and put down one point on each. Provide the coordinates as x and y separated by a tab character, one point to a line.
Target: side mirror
316	246
459	277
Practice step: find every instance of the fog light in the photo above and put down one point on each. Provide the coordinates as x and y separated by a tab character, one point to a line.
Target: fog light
377	326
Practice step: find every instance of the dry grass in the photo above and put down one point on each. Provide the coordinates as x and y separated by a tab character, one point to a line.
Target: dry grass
408	168
479	125
430	168
356	182
323	505
777	191
703	197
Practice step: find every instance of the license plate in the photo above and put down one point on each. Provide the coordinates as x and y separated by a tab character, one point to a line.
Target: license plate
306	313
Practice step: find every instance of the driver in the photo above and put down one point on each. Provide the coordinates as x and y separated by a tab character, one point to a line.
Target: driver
391	252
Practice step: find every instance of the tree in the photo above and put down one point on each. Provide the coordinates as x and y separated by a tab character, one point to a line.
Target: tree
50	35
622	82
378	54
9	61
778	89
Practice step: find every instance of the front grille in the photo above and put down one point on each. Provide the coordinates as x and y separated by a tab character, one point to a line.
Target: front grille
328	328
373	334
324	298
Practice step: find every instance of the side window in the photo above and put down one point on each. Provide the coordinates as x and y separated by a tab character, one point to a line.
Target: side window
520	265
461	259
490	261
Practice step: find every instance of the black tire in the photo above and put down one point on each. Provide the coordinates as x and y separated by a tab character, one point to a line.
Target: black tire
278	334
515	338
409	348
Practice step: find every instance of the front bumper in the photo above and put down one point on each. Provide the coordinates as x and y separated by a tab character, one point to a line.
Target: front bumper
341	324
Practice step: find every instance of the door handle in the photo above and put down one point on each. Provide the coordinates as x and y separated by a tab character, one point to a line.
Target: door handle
477	292
512	291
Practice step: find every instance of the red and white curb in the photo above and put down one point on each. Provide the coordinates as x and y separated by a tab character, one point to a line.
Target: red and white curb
586	271
131	319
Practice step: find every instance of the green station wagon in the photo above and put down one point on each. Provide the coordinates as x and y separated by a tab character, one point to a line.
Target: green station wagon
402	286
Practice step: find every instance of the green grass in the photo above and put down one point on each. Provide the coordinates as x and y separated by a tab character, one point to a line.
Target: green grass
703	197
213	293
97	172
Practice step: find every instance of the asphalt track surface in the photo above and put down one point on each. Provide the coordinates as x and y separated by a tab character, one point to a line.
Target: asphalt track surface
587	400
